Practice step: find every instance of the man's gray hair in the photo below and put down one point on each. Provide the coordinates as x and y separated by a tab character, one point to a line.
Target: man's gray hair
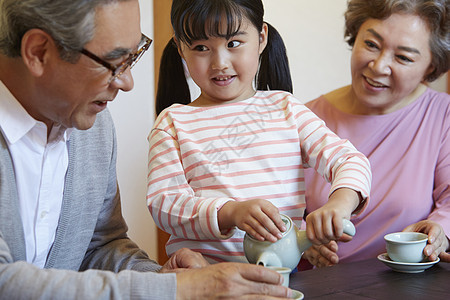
71	23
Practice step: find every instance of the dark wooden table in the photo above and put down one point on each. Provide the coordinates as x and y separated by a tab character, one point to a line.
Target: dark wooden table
371	279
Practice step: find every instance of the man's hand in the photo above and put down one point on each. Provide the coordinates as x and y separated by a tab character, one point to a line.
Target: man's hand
231	281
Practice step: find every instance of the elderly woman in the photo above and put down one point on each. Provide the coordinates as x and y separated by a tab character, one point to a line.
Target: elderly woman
400	124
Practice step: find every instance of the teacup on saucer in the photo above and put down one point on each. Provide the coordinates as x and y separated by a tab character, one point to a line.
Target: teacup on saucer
406	267
406	246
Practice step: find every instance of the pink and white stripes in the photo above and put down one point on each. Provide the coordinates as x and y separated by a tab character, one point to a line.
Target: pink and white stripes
202	157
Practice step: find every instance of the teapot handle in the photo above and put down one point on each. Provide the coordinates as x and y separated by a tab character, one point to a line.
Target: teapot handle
349	228
304	243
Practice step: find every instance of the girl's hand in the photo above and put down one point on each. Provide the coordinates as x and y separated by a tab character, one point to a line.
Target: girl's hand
438	242
325	224
259	218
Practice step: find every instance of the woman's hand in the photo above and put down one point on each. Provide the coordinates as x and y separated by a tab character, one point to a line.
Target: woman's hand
259	218
438	242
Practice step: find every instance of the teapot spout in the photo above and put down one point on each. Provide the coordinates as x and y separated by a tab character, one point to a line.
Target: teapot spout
269	259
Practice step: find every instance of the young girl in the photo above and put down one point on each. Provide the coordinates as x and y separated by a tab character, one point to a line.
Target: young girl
229	162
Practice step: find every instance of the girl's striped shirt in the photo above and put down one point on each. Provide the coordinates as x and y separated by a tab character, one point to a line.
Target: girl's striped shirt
202	157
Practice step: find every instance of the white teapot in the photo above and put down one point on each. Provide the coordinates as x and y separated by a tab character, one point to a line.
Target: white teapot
287	251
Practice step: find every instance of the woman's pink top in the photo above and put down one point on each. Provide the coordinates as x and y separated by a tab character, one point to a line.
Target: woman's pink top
409	152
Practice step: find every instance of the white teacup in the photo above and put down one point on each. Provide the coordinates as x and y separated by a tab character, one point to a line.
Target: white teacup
406	247
297	295
285	272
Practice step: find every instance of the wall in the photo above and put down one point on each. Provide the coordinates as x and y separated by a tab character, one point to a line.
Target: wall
133	115
314	35
319	58
312	31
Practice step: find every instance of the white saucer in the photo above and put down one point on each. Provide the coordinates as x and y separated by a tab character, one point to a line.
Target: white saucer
406	267
297	295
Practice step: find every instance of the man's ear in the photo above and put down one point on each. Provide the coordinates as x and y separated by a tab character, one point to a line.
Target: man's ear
35	50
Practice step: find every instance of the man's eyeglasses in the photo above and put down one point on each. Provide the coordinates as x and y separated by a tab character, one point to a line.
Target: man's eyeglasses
118	70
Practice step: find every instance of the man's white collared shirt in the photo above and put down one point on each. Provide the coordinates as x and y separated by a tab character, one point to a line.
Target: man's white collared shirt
40	166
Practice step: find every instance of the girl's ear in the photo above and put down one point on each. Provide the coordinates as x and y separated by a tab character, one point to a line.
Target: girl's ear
263	37
35	50
177	42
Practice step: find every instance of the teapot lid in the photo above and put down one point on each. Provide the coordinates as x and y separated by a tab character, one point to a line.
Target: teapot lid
287	222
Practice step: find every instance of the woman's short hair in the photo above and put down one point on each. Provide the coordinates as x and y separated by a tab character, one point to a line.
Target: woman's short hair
435	13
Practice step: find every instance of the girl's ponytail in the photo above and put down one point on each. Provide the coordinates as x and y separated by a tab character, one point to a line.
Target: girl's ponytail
274	72
172	83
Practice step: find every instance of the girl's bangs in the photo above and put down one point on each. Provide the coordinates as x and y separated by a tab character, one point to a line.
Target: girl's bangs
201	23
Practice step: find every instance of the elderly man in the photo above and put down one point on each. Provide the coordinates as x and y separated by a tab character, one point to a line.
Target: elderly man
61	62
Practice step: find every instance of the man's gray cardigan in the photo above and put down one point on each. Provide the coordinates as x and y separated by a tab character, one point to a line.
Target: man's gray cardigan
91	232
